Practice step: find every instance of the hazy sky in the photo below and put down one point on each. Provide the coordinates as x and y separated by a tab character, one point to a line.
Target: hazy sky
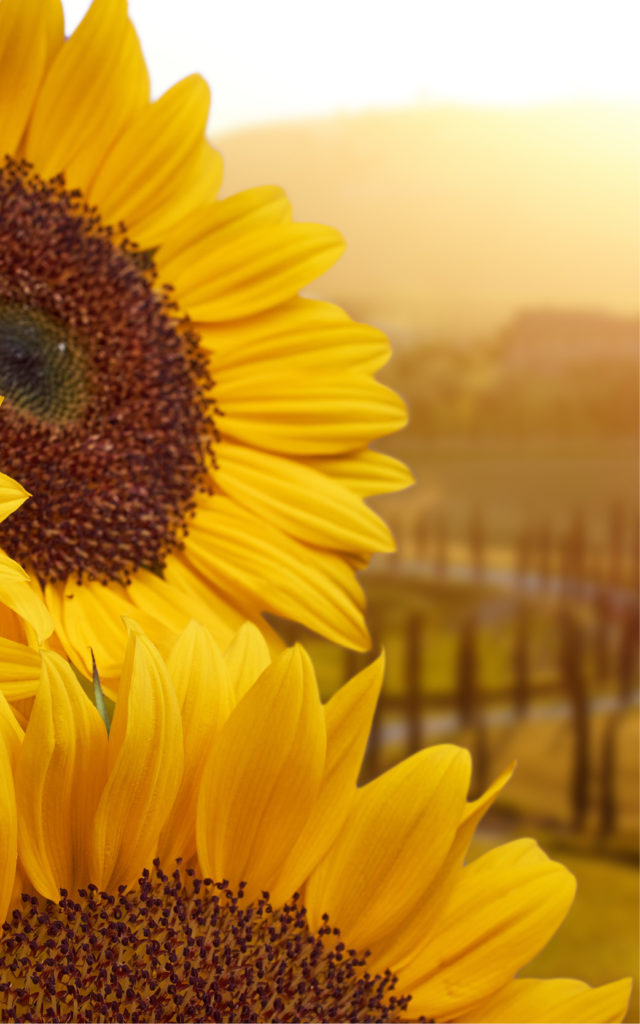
278	59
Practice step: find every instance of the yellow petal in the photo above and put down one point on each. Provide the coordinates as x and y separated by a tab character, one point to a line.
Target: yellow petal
553	1001
224	615
205	696
365	472
221	222
308	505
12	494
96	83
22	595
348	717
153	149
302	333
59	774
397	836
76	608
30	35
306	414
193	188
10	732
262	776
19	670
254	271
503	909
246	658
8	829
250	557
405	947
145	762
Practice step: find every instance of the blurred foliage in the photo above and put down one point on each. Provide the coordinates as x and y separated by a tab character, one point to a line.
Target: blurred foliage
546	374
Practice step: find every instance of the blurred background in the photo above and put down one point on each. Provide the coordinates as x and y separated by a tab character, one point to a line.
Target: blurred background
481	161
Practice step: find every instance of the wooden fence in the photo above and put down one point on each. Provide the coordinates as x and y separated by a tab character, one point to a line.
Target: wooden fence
470	708
594	603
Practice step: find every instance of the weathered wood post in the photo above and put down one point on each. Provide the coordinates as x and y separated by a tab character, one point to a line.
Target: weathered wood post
573	675
521	659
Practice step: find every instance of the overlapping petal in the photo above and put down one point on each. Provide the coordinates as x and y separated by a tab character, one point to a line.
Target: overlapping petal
276	777
229	761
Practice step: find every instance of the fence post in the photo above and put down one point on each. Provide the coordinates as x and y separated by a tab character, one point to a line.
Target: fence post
573	675
521	669
441	544
574	547
477	543
467	671
607	822
422	536
413	668
601	638
616	534
522	553
628	653
545	560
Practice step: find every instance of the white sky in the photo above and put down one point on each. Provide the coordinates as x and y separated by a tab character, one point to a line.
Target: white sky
279	59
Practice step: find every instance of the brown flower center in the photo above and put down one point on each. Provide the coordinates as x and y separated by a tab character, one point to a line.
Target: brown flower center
179	949
106	419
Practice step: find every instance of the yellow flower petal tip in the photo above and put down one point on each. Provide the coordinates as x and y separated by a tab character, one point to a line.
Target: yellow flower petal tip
347	902
180	450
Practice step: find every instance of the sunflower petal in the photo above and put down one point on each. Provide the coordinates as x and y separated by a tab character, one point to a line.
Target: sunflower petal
399	832
8	829
417	932
303	414
309	506
553	1001
11	733
247	555
195	186
246	658
20	668
145	761
59	773
205	696
348	717
12	495
303	334
224	615
156	146
30	35
365	472
256	796
23	596
87	97
223	221
503	909
254	271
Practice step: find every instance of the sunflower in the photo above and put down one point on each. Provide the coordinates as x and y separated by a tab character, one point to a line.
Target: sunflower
298	895
194	435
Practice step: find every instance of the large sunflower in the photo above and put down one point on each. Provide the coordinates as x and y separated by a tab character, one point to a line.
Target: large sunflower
327	902
192	432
